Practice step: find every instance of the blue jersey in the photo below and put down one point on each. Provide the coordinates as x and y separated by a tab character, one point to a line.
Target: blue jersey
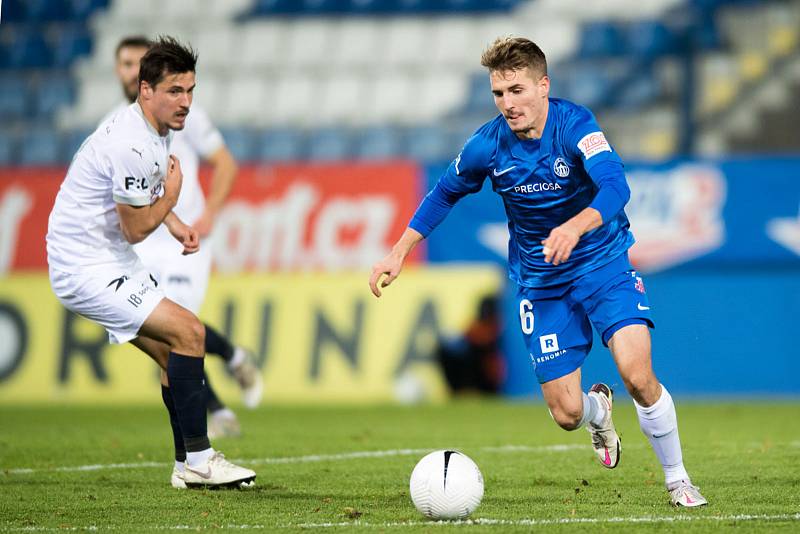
543	183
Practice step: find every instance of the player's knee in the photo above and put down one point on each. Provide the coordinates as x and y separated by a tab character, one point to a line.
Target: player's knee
567	417
643	387
197	335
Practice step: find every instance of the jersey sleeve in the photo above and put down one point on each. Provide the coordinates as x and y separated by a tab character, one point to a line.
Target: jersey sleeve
586	140
130	175
201	134
465	175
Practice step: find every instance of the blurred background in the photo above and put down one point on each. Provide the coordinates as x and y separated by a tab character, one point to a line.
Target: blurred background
343	113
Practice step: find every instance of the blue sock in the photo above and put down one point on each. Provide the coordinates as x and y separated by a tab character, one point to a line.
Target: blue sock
185	374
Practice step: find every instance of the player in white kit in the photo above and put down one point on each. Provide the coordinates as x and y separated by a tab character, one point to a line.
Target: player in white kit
185	278
120	187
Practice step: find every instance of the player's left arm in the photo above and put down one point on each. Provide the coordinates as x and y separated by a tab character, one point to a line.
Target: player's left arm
605	168
187	236
224	174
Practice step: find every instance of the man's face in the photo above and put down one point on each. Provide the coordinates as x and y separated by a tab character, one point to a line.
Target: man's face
170	99
521	96
127	69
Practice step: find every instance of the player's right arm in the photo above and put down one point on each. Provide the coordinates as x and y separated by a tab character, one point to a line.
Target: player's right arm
465	175
138	218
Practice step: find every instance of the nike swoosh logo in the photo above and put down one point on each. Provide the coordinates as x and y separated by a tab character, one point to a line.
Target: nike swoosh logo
207	474
501	173
642	308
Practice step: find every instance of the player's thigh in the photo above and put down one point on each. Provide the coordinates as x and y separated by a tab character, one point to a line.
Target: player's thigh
185	278
117	297
175	326
557	334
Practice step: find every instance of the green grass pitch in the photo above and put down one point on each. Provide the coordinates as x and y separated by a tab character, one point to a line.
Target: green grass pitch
346	469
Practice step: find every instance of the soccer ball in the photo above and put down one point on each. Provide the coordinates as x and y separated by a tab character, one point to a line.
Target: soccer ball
446	485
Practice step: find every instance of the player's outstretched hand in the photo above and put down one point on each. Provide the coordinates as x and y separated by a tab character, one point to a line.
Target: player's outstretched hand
390	266
559	244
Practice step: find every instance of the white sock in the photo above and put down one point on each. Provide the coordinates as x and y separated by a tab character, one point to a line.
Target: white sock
239	356
196	459
594	411
660	424
180	466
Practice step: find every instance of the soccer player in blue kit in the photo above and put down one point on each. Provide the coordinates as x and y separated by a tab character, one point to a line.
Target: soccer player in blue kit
564	189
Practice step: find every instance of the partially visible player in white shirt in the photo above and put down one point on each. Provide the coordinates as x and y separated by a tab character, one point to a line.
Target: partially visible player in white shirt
185	278
121	186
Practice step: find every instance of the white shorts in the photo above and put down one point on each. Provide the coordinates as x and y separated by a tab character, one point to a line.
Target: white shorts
117	297
184	279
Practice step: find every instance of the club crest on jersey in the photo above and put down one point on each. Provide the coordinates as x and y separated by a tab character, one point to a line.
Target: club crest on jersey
560	167
639	284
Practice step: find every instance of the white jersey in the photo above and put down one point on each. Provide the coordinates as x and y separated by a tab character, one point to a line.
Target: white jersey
124	161
198	140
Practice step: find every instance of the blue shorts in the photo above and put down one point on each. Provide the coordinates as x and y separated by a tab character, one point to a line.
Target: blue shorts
557	322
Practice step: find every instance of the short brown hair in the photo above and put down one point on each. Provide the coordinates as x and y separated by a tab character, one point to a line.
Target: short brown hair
514	53
133	41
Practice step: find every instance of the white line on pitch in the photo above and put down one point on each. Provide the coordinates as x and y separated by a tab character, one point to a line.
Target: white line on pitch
295	459
463	523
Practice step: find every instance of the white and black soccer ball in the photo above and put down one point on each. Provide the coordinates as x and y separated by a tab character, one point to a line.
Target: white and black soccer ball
446	485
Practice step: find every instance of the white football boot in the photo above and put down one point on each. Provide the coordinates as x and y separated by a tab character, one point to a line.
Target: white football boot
218	472
176	480
684	494
223	424
605	440
248	376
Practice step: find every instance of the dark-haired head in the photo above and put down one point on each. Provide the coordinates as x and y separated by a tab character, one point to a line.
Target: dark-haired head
166	56
166	83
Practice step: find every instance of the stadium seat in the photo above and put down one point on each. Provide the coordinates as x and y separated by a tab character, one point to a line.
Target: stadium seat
47	10
7	148
83	9
358	41
71	141
648	39
281	144
293	93
262	44
309	43
40	146
276	7
341	98
13	97
53	92
73	41
379	143
429	144
600	39
240	142
329	144
244	103
29	49
324	7
12	11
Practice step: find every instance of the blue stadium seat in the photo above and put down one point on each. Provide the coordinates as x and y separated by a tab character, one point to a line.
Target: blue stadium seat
479	94
429	144
83	9
71	142
53	92
600	39
73	41
47	10
648	39
283	144
7	146
39	146
368	7
30	49
324	7
637	92
328	144
13	97
240	142
379	142
13	11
